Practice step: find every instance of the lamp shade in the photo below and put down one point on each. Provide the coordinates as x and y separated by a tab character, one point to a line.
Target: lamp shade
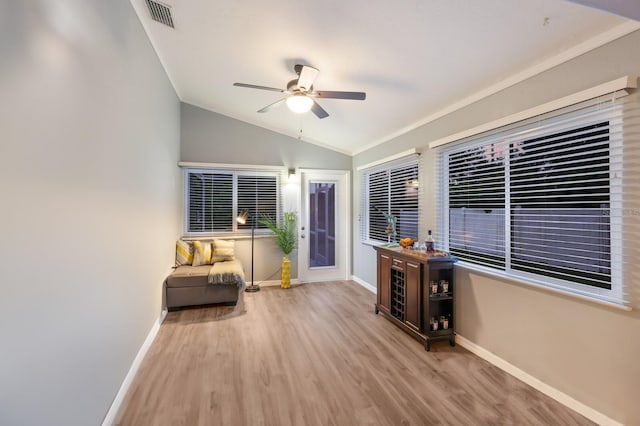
242	217
299	103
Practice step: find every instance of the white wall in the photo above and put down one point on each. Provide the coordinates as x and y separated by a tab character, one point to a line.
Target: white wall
90	188
582	349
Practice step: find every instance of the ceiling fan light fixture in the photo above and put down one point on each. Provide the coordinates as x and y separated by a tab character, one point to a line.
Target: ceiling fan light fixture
299	103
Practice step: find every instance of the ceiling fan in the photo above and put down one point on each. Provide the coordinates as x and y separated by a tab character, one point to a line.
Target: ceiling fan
301	93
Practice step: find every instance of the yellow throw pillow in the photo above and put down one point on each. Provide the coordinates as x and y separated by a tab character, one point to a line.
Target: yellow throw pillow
184	253
223	250
202	253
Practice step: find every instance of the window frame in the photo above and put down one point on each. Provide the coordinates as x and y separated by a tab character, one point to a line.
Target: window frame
390	167
615	295
236	229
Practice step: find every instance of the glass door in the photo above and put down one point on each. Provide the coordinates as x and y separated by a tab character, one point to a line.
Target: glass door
322	224
323	244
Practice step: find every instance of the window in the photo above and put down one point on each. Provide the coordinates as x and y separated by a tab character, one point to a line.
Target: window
559	196
214	197
206	212
542	201
258	195
393	190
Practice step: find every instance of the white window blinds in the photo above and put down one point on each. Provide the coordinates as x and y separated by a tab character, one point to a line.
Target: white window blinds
258	195
214	198
209	201
391	190
551	200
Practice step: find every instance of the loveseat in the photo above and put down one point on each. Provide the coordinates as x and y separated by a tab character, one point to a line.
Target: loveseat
206	272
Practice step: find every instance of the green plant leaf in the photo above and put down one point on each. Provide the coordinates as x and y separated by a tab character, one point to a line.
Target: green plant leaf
285	232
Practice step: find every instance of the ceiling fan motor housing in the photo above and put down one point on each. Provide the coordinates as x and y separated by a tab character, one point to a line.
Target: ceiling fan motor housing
292	86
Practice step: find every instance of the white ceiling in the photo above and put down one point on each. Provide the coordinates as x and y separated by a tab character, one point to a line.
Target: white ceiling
415	59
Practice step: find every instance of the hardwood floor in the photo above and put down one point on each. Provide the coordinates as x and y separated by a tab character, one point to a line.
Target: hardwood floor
316	354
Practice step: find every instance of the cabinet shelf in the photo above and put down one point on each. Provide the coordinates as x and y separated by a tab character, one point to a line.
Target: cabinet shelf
437	333
441	296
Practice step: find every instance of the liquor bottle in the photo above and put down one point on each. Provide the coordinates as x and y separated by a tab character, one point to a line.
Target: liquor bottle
429	243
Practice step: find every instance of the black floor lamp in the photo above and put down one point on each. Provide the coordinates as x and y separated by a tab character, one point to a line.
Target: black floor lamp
242	219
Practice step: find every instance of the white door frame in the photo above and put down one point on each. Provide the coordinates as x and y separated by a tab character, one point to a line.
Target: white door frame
343	234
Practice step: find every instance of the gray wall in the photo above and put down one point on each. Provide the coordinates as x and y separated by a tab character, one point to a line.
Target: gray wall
90	204
585	350
208	137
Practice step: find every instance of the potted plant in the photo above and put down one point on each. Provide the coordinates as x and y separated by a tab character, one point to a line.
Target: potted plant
286	239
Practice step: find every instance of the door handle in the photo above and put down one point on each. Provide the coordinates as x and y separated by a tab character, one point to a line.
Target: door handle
301	235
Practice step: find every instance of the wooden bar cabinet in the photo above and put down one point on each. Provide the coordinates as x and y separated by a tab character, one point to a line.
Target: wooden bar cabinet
416	291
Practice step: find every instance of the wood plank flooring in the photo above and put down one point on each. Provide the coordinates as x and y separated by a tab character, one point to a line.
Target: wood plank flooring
316	354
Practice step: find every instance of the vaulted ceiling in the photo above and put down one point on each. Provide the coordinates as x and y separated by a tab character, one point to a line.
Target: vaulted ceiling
415	59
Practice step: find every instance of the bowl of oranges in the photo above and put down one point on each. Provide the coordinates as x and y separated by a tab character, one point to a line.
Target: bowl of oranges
407	242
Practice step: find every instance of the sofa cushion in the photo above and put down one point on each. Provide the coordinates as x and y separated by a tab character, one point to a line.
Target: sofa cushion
189	276
184	253
202	253
223	250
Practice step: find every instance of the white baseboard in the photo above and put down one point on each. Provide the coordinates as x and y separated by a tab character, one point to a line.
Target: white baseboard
270	283
110	417
535	383
372	288
274	283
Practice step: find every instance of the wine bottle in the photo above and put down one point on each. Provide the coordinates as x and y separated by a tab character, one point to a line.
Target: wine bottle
429	243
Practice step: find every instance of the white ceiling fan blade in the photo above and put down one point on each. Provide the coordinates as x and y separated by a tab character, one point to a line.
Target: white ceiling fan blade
273	105
307	77
319	111
253	86
358	96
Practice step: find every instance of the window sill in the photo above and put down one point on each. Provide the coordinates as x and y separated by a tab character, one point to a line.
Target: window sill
521	281
372	243
224	237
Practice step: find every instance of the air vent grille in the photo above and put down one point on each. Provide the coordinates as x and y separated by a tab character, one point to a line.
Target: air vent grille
160	13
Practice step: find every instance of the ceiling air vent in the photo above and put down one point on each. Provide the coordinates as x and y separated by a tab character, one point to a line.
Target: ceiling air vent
160	12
